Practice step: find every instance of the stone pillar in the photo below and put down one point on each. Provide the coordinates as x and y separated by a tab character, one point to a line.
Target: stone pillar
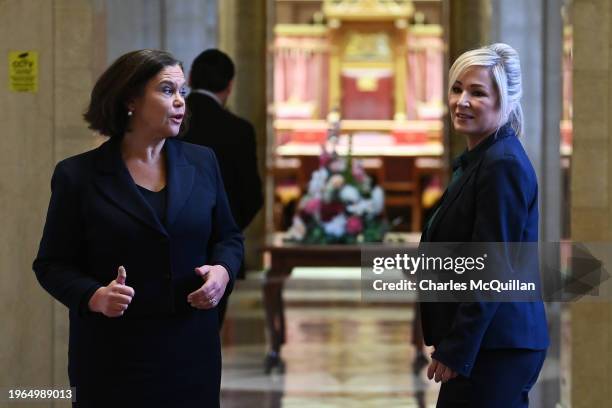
242	34
534	29
26	344
468	26
591	192
131	25
39	129
335	92
74	78
183	27
190	27
399	63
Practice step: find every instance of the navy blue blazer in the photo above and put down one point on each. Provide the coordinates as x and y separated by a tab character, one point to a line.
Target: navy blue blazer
97	220
494	200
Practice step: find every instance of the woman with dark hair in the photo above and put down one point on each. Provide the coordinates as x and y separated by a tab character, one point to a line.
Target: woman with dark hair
140	245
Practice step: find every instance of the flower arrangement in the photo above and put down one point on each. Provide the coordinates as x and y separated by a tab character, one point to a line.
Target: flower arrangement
341	206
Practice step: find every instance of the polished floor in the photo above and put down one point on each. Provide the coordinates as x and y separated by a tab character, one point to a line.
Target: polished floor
340	352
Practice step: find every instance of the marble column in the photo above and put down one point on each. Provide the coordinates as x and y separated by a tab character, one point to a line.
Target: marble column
591	192
534	29
39	129
74	77
183	27
468	27
242	34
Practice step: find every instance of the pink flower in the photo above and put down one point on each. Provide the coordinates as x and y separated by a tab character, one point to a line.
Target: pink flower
354	225
358	171
338	165
324	159
359	177
312	206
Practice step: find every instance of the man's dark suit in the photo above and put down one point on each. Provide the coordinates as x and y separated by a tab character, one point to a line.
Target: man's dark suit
233	141
494	200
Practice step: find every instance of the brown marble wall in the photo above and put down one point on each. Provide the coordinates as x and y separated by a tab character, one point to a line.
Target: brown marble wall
38	129
26	155
242	34
468	23
591	186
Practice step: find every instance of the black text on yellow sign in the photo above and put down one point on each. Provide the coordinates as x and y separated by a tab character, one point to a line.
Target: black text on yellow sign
23	71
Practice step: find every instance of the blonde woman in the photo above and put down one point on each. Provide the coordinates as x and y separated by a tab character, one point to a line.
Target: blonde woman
487	354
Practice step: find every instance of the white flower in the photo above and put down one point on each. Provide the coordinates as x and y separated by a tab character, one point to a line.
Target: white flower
336	226
349	194
335	182
297	230
328	195
360	207
378	200
366	186
317	181
370	207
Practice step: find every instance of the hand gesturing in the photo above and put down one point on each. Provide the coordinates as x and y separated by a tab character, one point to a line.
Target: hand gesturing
215	278
112	300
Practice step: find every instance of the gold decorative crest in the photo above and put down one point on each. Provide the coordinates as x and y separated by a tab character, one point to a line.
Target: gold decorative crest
368	9
368	47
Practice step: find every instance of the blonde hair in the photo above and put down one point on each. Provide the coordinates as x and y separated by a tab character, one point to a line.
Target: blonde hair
505	67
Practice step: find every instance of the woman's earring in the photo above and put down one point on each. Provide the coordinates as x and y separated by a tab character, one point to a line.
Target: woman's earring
130	113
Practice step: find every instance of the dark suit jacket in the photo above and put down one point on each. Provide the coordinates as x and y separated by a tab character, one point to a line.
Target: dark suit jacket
495	200
233	141
97	220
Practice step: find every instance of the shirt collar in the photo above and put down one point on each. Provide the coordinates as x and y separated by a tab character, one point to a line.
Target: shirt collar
208	93
471	156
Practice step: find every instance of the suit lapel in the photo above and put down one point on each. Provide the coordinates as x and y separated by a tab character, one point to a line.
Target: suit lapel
115	182
450	195
179	182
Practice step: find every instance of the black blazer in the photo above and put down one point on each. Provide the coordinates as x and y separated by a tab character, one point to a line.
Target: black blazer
233	141
97	220
494	200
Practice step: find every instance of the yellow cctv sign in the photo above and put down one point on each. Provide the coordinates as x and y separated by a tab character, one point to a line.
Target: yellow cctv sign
23	71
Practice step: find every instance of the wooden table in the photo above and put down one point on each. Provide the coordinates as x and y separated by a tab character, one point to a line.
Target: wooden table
284	256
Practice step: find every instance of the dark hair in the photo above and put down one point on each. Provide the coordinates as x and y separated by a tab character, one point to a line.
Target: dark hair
211	70
124	80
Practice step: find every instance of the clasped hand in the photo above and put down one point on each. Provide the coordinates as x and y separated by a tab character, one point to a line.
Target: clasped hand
208	296
439	372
